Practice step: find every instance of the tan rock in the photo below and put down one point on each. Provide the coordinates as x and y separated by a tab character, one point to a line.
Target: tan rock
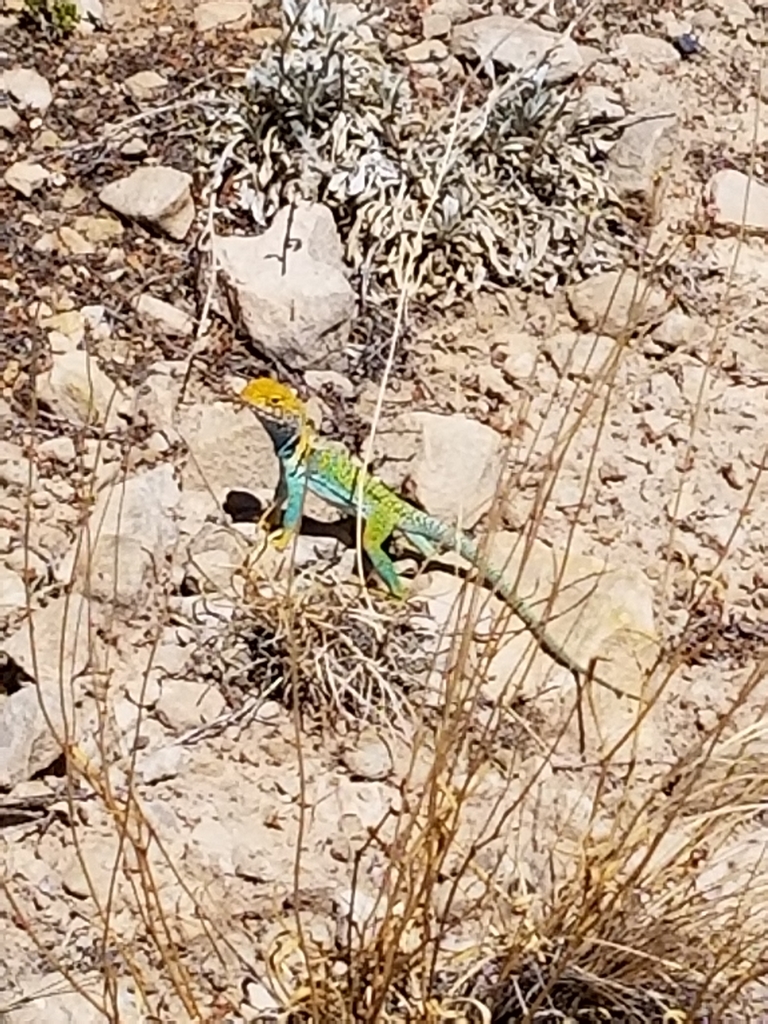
458	467
650	51
78	389
519	44
185	704
72	241
157	196
25	178
643	152
28	87
736	200
145	85
294	300
210	429
617	303
172	319
128	536
53	647
214	14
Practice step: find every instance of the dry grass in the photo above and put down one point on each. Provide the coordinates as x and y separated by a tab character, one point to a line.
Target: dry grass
638	920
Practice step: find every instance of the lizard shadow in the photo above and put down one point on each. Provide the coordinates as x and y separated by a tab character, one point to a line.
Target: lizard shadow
244	507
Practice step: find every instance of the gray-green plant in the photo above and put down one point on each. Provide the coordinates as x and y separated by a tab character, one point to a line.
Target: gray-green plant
512	181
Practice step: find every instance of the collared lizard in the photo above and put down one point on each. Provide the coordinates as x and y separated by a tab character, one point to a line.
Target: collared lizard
333	474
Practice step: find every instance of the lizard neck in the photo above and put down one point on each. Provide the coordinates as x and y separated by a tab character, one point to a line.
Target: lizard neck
296	446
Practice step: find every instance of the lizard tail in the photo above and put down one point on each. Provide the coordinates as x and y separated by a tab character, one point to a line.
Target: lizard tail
502	587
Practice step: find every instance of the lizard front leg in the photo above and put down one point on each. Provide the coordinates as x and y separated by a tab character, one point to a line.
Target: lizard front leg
294	484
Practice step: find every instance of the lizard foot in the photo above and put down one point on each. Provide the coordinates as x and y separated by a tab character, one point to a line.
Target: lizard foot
280	538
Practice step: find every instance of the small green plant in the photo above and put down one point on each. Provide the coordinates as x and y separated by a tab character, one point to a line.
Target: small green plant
58	18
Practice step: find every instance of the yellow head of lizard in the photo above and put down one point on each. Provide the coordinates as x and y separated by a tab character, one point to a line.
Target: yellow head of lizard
281	411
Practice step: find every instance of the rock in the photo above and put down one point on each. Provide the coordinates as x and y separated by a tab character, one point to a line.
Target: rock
135	147
158	197
215	555
267	35
96	317
521	45
427	49
91	14
28	88
585	356
644	150
209	430
518	349
72	197
133	676
53	647
736	12
734	200
23	725
456	10
435	26
458	468
28	564
9	120
170	318
213	13
13	593
291	295
658	54
158	396
25	177
370	759
72	241
76	388
733	869
255	853
597	103
316	380
70	322
130	532
356	910
676	329
746	259
161	764
599	611
520	365
185	704
62	1007
16	470
46	139
616	302
92	868
99	229
260	999
145	85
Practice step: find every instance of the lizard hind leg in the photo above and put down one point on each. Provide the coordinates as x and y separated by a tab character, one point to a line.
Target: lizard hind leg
375	532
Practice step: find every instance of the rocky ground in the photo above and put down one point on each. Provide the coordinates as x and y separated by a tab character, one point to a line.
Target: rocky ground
234	781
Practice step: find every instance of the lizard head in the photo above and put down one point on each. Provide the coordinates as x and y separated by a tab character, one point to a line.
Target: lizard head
282	413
